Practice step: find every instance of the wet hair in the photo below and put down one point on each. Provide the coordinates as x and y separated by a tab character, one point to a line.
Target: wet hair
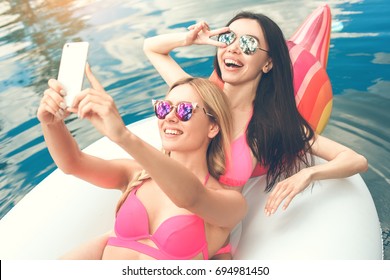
215	103
277	133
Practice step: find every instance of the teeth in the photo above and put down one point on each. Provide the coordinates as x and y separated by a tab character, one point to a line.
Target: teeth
173	132
232	62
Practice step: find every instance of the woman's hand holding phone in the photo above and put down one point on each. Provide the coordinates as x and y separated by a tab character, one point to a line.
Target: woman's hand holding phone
64	96
58	98
96	105
52	108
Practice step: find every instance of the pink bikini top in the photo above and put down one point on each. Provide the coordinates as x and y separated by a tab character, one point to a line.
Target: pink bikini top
239	168
180	237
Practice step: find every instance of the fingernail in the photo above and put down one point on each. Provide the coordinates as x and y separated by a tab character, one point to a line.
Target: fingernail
63	92
272	211
62	105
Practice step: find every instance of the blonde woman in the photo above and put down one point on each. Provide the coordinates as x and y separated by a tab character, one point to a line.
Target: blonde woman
173	206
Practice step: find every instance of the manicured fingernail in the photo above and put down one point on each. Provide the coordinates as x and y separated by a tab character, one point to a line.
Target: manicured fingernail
62	105
63	92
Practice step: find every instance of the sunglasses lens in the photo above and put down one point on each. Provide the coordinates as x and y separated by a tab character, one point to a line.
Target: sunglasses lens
227	38
248	44
184	111
162	109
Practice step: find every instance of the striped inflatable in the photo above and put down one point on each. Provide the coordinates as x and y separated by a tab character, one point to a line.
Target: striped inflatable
309	48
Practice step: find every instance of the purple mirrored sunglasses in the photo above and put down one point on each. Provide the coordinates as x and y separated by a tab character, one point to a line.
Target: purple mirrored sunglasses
183	110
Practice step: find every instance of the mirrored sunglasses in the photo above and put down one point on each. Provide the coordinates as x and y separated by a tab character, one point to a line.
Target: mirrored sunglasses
248	44
183	110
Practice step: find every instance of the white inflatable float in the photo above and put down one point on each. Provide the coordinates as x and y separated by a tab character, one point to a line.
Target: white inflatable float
336	219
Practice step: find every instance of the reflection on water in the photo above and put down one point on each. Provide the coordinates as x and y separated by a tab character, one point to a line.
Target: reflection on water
31	38
32	34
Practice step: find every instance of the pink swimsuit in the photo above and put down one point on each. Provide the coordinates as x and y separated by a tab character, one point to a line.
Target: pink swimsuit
239	169
180	237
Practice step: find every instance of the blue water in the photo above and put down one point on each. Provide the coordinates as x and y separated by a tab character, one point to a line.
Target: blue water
32	34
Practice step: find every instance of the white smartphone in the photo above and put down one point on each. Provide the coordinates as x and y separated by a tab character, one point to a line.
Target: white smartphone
72	68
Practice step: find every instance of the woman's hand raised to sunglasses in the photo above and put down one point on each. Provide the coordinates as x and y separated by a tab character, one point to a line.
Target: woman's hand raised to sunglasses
97	106
200	34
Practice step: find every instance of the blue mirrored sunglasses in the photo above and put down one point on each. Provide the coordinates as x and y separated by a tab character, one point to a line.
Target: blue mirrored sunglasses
248	43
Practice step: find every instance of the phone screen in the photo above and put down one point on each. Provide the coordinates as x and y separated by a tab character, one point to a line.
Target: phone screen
72	68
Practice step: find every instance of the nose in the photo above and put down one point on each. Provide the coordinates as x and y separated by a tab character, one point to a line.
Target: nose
171	117
234	47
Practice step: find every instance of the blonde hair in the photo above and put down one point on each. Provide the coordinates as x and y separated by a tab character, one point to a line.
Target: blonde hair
217	104
138	179
218	151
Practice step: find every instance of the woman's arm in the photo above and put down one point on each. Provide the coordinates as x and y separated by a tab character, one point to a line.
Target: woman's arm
341	162
91	250
157	49
221	207
65	151
218	206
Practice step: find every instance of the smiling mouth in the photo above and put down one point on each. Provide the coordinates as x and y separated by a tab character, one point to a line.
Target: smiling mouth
172	132
232	63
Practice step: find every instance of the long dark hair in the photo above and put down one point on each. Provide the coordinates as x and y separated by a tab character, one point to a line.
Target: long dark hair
277	134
